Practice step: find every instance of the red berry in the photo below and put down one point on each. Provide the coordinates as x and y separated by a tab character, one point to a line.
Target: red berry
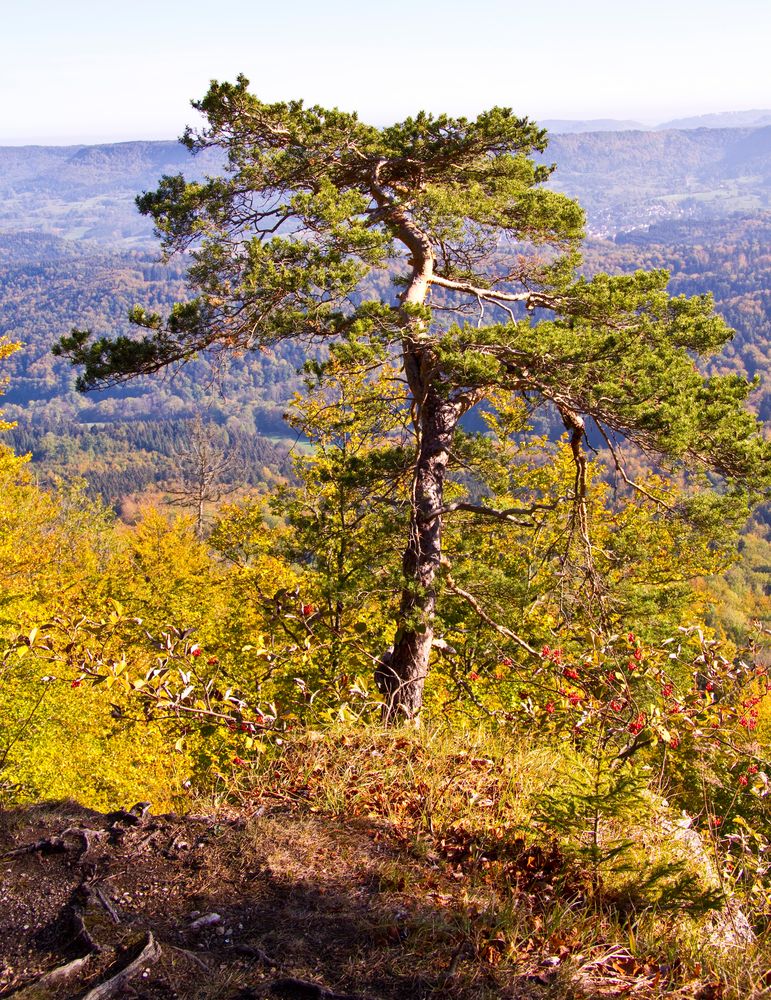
307	609
549	707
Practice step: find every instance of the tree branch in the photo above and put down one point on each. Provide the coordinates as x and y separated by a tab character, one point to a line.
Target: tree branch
500	629
622	472
531	300
509	514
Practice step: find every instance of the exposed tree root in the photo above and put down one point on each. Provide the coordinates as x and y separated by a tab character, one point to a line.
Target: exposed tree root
50	983
299	989
113	987
58	843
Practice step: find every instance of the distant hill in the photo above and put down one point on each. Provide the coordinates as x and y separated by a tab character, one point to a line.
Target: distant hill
626	180
74	251
88	192
558	126
722	119
624	177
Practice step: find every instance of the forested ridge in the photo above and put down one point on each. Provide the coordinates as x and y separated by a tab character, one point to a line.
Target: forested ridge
426	656
728	259
48	284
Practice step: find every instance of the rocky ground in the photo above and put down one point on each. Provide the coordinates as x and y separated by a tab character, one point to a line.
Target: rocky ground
281	900
160	907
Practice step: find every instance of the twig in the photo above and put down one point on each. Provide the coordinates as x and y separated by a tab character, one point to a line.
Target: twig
107	904
192	956
509	514
248	951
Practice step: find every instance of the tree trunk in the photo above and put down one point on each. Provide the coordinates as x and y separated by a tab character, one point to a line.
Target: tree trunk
402	672
199	519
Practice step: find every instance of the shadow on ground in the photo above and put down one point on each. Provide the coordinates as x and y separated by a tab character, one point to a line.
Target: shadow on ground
282	905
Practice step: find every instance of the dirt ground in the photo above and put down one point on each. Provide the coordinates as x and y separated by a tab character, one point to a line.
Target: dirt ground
297	906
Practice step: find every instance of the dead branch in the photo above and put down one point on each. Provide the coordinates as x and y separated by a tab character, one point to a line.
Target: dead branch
38	990
500	629
299	989
619	466
531	300
106	902
509	514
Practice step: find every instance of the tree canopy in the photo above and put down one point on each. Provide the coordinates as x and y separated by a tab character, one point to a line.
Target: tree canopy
434	240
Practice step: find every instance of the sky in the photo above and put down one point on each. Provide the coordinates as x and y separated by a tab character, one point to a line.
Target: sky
76	71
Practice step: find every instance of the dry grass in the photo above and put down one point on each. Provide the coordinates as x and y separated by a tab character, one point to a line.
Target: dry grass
382	865
511	898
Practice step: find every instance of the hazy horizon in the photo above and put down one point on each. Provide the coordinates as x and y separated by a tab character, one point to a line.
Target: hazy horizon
85	72
105	140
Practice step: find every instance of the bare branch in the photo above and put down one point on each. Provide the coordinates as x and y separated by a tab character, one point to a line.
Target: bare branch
509	514
500	629
622	472
531	300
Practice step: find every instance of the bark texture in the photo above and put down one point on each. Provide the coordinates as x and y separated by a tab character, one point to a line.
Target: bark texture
404	676
402	672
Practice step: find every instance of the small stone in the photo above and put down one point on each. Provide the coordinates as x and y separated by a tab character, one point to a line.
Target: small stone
207	920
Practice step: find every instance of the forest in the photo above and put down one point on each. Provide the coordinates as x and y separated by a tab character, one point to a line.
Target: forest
430	615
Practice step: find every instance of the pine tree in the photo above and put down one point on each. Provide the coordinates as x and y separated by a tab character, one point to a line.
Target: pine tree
315	208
